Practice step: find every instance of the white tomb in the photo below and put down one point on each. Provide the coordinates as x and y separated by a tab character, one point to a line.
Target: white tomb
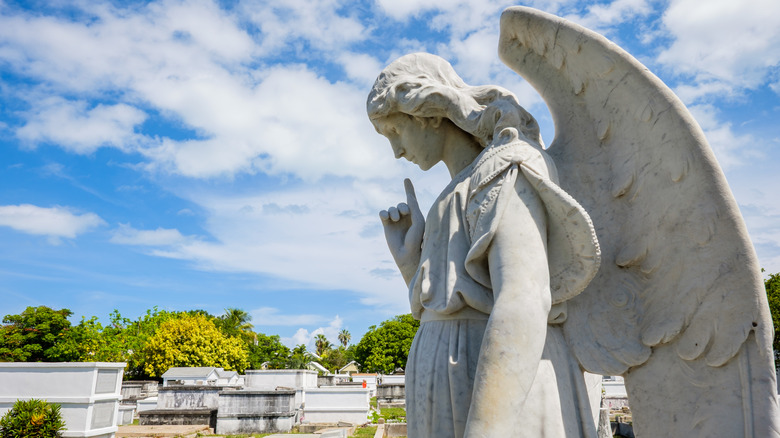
336	404
370	380
269	380
146	404
88	392
394	379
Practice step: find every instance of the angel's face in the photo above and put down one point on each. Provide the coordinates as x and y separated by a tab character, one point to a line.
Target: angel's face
416	140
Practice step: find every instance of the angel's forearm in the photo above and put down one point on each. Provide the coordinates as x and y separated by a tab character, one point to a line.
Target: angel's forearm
508	363
515	335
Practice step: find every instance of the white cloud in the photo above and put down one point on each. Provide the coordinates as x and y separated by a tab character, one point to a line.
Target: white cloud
127	235
163	57
735	43
306	337
75	127
690	93
269	316
730	148
318	23
360	67
55	222
601	16
755	188
324	236
292	122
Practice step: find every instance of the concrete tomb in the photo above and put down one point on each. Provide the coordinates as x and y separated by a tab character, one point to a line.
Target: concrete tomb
347	404
183	405
247	411
125	415
269	380
391	395
88	392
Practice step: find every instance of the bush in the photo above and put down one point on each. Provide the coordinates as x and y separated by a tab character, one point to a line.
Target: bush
32	419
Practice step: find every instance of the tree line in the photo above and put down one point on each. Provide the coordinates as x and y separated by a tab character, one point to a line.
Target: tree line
160	339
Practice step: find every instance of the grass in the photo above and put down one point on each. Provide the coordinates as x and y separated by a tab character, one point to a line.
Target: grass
397	414
364	432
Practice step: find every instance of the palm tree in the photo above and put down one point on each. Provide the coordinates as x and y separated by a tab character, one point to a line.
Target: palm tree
236	322
322	344
344	337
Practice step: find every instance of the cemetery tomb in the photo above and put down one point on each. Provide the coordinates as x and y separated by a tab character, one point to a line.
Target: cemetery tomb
336	404
88	392
248	411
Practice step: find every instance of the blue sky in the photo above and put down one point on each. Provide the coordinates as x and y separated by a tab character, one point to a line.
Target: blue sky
203	154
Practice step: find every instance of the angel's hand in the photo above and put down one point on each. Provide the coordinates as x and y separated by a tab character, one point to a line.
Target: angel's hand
404	226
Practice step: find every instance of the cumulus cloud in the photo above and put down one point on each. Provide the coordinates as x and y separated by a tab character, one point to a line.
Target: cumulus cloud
360	67
55	222
269	316
730	148
195	64
306	337
285	124
302	235
321	24
76	127
127	235
602	16
733	43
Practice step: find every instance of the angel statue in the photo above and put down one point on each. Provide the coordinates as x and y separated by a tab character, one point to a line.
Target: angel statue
519	288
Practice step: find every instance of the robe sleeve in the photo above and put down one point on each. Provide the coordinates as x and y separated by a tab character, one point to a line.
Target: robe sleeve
572	247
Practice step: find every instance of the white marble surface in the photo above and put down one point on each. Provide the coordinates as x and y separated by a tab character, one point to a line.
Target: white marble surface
678	305
500	248
336	404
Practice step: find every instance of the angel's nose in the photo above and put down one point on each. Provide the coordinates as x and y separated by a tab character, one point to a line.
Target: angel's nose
398	150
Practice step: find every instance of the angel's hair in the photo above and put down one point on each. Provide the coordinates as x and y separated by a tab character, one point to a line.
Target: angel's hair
425	85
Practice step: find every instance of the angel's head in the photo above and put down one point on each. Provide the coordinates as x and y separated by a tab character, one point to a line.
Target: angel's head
425	88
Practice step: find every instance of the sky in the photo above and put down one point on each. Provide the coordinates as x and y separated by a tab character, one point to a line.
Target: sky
202	154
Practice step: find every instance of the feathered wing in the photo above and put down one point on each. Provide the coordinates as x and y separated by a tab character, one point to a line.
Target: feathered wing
678	306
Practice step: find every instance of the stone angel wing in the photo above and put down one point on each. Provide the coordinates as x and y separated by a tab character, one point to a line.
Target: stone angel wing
678	306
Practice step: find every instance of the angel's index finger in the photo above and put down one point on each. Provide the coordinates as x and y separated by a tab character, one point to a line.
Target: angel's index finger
411	197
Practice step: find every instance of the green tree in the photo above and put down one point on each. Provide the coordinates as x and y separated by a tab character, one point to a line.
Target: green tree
192	341
32	335
268	349
299	358
236	322
336	358
89	341
133	337
772	285
385	348
322	344
344	337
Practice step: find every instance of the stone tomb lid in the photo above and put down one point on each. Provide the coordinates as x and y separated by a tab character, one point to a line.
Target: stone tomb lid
190	372
257	392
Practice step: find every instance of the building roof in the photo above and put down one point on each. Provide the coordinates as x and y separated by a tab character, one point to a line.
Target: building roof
191	372
351	363
318	367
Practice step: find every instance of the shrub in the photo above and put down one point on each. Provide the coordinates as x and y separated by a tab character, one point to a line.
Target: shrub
32	419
